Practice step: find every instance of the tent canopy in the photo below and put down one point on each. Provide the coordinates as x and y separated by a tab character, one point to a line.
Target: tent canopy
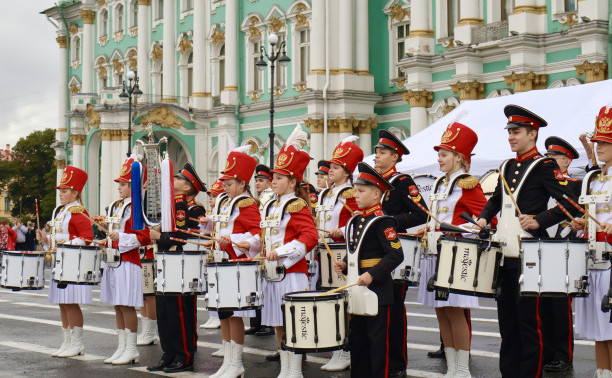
569	111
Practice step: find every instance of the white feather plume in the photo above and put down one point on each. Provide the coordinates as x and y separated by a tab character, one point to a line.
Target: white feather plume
242	149
297	138
457	116
350	139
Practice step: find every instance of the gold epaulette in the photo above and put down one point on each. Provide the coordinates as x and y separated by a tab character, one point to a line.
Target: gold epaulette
296	205
245	202
468	182
349	193
77	209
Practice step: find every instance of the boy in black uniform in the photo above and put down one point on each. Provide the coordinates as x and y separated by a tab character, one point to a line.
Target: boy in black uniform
176	314
532	180
557	325
379	253
399	203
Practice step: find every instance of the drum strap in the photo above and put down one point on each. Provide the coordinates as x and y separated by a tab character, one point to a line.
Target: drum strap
321	209
55	223
352	257
591	201
219	218
434	197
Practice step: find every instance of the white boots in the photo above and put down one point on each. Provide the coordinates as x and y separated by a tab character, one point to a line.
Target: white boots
235	368
221	351
602	373
120	347
291	365
76	344
149	332
130	354
451	362
458	363
227	356
212	323
340	361
65	342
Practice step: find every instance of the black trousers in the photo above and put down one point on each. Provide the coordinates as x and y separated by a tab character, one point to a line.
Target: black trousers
176	325
557	329
520	327
370	346
256	321
398	351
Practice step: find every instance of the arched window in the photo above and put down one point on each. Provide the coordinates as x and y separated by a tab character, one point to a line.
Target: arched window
507	6
453	16
76	49
304	52
570	5
222	68
134	13
190	75
103	23
159	14
118	18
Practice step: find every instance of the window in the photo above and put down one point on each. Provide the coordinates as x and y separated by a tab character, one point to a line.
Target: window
118	18
570	5
76	49
187	5
453	16
103	23
256	75
190	75
401	32
222	68
304	46
507	7
7	204
119	80
160	10
134	12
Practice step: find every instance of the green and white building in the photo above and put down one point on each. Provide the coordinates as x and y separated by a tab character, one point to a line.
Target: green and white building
357	66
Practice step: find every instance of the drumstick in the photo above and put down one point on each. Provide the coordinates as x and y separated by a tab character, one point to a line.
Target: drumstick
570	216
322	230
346	206
94	222
423	209
501	176
338	289
37	216
407	234
188	241
194	219
582	210
192	233
206	237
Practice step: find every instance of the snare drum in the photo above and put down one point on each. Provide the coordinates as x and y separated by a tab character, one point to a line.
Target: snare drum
21	270
148	276
408	271
179	273
273	271
77	264
554	267
234	285
329	278
313	323
468	266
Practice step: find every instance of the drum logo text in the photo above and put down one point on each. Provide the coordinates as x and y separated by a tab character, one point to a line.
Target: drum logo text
466	262
304	321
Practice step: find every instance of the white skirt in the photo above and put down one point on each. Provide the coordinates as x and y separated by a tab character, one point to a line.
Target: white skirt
428	268
72	294
591	322
271	313
122	286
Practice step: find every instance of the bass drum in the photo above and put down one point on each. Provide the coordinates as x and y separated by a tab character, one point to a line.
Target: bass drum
425	184
488	182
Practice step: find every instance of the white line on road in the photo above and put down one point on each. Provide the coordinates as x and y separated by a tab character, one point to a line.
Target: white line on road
45	350
40	305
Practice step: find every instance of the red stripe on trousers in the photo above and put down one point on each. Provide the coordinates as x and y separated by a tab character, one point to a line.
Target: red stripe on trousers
539	372
404	287
180	299
571	328
387	358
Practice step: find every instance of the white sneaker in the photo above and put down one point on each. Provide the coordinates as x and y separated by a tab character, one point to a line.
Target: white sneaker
221	350
120	347
212	323
130	354
65	342
342	361
76	344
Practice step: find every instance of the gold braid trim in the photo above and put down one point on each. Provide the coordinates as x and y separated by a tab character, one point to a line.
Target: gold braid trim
296	205
245	202
468	182
348	193
78	209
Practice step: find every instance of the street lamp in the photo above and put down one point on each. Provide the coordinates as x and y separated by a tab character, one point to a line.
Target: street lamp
130	90
261	64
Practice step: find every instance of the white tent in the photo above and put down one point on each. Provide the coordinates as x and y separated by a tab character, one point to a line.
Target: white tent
569	112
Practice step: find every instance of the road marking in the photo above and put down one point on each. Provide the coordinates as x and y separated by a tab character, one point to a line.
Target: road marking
143	369
45	350
431	348
40	305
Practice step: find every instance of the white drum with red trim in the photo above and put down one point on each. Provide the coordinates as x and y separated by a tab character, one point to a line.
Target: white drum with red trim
234	285
22	270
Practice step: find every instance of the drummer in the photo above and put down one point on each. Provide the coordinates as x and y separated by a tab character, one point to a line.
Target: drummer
557	327
336	206
519	316
287	244
263	184
463	193
591	322
398	203
72	226
122	285
322	174
176	314
375	240
240	238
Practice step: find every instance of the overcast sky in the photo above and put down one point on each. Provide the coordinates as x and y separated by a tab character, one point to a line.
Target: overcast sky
28	70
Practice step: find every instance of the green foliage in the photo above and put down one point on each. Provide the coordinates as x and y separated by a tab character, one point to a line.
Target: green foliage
32	175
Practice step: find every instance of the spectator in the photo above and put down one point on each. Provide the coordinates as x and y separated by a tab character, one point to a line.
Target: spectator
7	237
30	237
21	231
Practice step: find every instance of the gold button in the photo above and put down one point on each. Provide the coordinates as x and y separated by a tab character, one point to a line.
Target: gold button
513	180
360	226
518	165
363	219
358	232
516	173
512	189
328	218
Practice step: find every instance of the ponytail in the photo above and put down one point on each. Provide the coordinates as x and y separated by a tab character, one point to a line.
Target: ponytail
247	188
301	193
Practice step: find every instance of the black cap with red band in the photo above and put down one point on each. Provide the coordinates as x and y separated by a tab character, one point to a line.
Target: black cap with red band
188	173
521	117
369	176
262	171
323	166
389	141
556	145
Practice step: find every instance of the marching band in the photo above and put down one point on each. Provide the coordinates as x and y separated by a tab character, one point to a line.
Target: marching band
327	267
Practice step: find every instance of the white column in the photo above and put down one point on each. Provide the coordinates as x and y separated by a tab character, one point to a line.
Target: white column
87	69
316	153
470	18
345	36
229	94
106	170
201	88
317	37
58	178
62	91
418	119
144	42
78	158
169	55
365	140
527	19
363	38
420	41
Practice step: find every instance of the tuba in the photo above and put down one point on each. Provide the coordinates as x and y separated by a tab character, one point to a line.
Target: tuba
151	158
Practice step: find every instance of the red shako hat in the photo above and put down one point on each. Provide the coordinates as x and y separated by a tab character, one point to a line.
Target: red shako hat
347	154
239	165
73	178
126	171
603	125
459	138
216	188
291	160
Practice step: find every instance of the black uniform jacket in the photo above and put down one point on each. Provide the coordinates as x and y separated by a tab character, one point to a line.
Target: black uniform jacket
184	211
399	202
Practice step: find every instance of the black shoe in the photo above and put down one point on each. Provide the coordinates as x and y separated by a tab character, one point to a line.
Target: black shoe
397	374
556	366
437	353
159	366
273	357
252	330
177	367
265	331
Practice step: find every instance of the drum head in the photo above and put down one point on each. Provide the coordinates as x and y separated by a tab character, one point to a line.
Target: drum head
425	184
228	263
24	253
309	296
81	247
488	182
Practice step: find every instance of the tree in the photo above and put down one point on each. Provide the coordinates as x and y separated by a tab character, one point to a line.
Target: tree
32	174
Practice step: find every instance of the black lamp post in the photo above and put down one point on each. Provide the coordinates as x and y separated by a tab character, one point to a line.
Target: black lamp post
261	64
130	90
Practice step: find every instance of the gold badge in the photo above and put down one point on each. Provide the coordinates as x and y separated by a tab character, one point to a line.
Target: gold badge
604	125
449	136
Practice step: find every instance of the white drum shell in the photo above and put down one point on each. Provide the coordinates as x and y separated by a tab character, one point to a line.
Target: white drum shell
466	266
315	323
408	271
179	273
148	276
329	277
20	270
234	286
77	264
555	267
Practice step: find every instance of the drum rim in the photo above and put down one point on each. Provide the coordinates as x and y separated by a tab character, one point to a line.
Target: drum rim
470	241
17	288
146	261
237	263
180	253
556	240
74	246
76	283
315	350
314	297
25	253
334	244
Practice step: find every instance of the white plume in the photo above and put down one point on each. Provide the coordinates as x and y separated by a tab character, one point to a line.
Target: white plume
230	142
297	138
457	116
242	149
350	139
